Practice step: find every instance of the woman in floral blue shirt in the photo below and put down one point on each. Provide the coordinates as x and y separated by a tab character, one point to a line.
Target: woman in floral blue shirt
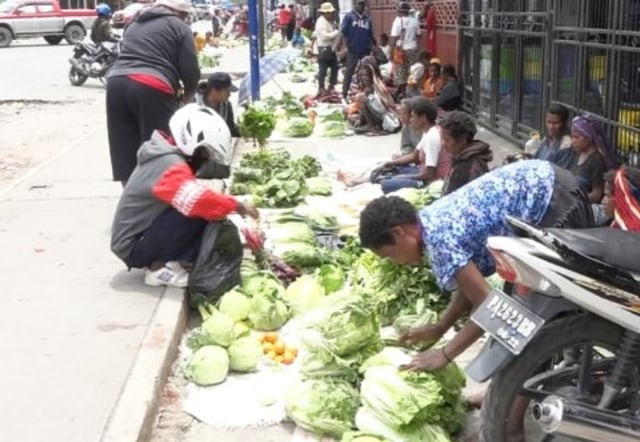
453	231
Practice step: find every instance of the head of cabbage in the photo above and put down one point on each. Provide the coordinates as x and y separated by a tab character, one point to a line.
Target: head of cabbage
218	329
304	294
209	365
235	304
244	354
257	282
268	311
332	277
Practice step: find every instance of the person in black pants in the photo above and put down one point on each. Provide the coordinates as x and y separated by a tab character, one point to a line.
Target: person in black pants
327	35
357	32
158	53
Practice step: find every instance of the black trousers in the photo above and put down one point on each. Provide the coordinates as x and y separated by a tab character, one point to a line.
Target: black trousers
171	237
349	70
134	111
323	66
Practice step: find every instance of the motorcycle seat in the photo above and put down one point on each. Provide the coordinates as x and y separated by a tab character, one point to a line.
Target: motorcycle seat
618	248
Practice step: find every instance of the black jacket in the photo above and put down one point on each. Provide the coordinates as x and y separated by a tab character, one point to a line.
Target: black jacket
101	31
159	43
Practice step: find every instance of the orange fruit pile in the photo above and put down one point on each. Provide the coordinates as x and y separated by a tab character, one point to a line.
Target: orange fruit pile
277	350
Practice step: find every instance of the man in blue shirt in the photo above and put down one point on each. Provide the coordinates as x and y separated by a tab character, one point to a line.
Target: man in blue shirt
452	233
357	32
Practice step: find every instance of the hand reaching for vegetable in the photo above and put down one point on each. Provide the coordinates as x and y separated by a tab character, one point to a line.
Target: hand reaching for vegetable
419	335
429	360
246	209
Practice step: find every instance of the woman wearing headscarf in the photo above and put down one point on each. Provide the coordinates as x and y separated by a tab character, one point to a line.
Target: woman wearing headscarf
593	156
373	107
622	198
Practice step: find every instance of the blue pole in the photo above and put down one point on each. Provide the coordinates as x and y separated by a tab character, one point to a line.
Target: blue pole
254	50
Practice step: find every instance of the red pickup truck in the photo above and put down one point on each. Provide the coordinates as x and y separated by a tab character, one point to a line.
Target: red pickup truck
43	18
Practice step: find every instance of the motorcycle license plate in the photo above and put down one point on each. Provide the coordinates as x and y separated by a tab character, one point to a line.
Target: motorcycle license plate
507	321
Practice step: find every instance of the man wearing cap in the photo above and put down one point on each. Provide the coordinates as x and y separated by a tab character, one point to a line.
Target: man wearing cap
215	94
357	32
158	53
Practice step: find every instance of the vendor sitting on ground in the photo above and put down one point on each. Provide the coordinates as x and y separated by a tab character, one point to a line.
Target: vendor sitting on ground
470	157
409	136
163	210
622	198
450	95
372	110
215	94
427	163
593	157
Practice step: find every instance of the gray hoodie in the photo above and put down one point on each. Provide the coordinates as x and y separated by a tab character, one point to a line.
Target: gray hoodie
138	207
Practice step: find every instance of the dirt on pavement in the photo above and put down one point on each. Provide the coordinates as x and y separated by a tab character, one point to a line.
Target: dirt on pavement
34	131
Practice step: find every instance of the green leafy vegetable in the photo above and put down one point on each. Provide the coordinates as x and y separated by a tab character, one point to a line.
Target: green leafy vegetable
235	304
257	123
323	406
244	354
268	310
319	186
369	423
301	254
308	166
209	365
291	232
304	294
217	329
299	127
331	277
334	129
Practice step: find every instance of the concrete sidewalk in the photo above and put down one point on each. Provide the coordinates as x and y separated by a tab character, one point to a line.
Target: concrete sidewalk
74	319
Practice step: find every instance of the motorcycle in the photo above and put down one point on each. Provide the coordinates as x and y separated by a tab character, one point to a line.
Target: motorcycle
92	61
564	348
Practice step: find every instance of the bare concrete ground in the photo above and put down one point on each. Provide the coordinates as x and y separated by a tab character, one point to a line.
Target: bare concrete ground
34	131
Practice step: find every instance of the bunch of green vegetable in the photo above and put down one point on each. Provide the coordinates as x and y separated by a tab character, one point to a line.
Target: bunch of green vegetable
257	123
406	402
318	221
339	336
325	406
334	129
319	186
420	198
285	188
299	127
287	105
309	166
207	60
400	290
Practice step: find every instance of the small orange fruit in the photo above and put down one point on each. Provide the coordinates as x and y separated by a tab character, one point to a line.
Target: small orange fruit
288	358
271	337
279	347
292	349
278	358
272	355
267	347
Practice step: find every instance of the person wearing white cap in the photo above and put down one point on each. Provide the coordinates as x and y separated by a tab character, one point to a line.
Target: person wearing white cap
158	54
327	37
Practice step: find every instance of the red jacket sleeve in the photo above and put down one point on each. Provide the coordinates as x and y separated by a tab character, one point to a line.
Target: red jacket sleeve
179	187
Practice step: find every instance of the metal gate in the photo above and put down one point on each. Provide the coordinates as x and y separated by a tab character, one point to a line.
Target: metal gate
518	56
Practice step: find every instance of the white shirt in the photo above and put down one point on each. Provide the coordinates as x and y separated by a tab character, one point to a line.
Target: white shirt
325	32
431	144
411	32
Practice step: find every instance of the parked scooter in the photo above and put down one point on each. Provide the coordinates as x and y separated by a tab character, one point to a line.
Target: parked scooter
564	347
92	61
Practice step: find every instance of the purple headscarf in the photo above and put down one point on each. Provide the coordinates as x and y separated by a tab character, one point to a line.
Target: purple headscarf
590	128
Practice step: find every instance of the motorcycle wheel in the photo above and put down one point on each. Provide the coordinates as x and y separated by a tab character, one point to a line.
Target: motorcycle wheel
76	77
562	334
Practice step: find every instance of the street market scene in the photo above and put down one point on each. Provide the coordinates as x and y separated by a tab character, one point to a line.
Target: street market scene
320	220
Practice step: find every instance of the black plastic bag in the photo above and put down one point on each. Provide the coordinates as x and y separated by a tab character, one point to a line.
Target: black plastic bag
217	267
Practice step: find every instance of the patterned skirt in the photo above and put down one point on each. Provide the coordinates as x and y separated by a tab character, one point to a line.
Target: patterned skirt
402	71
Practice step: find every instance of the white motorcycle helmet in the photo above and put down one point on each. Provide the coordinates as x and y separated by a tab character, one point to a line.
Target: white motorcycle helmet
195	125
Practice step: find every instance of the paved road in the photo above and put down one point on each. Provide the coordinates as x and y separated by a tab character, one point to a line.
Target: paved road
34	70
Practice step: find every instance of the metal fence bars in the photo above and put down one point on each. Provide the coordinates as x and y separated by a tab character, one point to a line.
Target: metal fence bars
518	56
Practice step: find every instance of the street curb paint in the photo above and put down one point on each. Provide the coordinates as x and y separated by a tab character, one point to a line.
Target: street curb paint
133	416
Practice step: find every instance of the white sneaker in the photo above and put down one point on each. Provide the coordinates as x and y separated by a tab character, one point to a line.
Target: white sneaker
176	267
166	276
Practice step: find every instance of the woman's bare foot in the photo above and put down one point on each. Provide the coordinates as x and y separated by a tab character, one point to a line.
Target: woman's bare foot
345	179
